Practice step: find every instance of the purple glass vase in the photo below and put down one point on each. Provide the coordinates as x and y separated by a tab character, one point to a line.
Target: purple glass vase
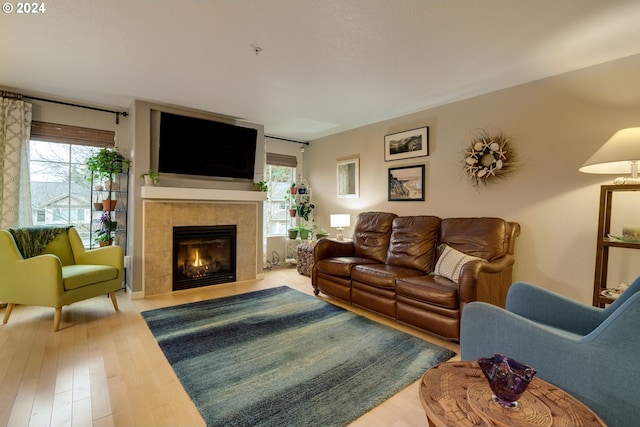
507	378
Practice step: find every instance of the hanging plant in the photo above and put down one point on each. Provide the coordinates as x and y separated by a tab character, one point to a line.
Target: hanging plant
489	157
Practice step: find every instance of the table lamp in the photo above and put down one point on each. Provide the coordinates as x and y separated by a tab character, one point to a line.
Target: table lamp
619	155
339	221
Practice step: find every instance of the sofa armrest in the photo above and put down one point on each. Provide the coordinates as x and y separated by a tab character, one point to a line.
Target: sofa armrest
327	248
553	309
485	280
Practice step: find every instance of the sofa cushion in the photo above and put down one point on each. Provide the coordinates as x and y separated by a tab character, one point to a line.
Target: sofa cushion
430	289
413	242
382	275
486	238
451	261
341	266
76	276
371	235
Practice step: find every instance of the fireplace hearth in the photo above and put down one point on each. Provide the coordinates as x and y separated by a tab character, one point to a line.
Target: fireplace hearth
203	256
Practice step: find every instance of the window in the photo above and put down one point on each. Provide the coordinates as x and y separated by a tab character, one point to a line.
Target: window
278	179
60	191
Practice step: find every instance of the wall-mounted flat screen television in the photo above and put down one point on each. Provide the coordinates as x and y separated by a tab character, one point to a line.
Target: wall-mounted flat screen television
199	147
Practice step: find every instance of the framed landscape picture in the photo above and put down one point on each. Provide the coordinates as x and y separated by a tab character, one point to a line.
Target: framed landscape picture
406	183
407	144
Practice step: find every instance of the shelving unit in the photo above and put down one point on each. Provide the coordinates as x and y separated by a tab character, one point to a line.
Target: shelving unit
604	242
118	191
291	245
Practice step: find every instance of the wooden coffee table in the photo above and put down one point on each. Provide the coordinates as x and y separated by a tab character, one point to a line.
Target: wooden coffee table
457	394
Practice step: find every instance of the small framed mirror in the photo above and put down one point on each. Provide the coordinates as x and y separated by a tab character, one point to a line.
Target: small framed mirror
348	178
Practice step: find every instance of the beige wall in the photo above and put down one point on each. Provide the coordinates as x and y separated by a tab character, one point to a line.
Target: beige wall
556	124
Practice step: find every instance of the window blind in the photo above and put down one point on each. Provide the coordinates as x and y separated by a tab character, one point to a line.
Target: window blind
276	159
54	132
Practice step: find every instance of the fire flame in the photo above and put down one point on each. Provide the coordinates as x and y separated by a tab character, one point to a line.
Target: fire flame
197	262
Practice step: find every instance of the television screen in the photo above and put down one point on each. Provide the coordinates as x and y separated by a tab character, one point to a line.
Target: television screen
192	146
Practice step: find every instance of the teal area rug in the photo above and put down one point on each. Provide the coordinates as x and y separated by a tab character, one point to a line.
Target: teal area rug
280	357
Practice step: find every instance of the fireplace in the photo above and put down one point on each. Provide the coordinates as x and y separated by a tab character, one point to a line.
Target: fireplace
203	256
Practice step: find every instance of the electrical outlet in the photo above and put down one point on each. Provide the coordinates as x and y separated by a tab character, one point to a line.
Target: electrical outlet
127	261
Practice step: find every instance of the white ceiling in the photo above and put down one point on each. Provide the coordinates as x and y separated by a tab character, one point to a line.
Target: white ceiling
325	65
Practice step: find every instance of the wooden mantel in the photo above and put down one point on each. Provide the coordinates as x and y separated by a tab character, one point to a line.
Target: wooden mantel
152	192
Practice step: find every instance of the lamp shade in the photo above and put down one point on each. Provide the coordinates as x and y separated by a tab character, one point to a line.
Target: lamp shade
617	155
340	220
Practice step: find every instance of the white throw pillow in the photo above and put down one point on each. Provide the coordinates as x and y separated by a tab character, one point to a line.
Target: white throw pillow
450	263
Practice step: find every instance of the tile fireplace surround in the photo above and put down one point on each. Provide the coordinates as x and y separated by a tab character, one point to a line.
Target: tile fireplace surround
161	215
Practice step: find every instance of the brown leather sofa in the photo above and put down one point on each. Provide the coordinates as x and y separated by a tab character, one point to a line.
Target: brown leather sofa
390	267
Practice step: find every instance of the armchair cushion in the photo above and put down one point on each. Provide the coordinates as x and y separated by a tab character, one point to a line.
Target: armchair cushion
78	275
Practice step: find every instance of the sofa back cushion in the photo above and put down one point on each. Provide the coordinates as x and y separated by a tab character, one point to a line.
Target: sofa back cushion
413	242
371	235
486	238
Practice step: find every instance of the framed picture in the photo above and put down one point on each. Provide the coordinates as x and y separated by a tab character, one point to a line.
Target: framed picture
407	144
406	183
348	178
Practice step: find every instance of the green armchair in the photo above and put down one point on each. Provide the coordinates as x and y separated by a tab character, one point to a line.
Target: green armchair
60	273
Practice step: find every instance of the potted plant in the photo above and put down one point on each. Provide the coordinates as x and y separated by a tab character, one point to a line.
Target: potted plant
322	233
302	185
106	223
151	177
304	208
103	165
103	238
107	162
293	233
97	205
109	204
304	231
293	189
260	186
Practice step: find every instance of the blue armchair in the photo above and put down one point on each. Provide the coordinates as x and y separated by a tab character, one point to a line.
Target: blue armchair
591	353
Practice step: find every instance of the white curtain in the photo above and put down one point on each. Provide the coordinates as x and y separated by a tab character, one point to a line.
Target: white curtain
15	189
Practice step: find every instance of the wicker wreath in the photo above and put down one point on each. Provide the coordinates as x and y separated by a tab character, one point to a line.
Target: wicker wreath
488	157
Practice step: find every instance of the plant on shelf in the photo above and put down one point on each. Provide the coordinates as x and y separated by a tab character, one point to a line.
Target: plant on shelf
151	177
304	231
106	222
260	186
304	208
293	233
290	200
104	238
106	163
322	233
302	185
103	165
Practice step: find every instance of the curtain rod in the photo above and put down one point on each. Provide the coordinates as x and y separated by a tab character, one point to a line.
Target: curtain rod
117	113
286	139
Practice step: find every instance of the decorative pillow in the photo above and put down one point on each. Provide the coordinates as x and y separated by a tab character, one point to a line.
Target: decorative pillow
451	261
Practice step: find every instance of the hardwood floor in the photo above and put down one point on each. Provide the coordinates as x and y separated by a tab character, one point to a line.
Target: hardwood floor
104	368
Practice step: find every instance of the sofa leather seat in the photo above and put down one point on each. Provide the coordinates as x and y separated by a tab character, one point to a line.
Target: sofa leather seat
389	267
